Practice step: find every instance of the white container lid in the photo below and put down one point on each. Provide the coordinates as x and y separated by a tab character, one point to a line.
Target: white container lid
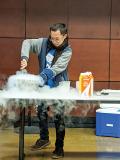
109	110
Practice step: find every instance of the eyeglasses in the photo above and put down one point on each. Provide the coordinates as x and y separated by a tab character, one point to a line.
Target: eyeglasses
55	39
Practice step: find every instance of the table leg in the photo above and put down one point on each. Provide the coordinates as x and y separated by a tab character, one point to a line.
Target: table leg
21	133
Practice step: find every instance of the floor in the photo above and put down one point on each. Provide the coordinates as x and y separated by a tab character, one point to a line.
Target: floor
80	144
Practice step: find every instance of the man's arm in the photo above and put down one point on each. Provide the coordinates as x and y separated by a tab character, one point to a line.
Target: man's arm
62	62
59	66
29	45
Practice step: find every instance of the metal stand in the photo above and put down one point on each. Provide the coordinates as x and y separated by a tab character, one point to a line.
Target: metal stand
22	104
29	116
21	133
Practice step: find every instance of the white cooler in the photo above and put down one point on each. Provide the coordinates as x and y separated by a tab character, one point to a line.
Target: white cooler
108	122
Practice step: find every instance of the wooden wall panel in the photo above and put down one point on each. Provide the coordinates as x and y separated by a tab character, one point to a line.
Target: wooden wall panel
12	18
115	60
115	28
42	13
10	55
33	65
89	18
90	55
84	110
115	85
101	85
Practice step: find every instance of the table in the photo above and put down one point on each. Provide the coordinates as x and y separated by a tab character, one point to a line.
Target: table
51	94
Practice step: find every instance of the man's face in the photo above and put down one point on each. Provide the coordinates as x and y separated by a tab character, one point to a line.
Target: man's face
57	38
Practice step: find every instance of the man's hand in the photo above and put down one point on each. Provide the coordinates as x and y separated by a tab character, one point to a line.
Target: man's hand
23	64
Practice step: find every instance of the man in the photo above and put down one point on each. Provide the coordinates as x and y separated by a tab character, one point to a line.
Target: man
54	54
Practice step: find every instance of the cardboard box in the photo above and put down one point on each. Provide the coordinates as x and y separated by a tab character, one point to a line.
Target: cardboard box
85	85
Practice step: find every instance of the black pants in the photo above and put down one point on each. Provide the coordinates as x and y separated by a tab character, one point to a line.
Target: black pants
59	125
